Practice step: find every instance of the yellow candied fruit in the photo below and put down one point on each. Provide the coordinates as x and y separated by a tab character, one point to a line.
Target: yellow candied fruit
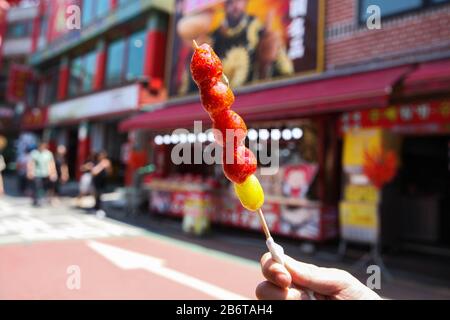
250	193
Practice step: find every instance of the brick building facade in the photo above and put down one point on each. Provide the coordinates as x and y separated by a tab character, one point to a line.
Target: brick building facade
402	39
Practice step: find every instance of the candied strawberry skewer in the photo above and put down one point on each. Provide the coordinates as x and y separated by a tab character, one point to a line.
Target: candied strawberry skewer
217	99
230	132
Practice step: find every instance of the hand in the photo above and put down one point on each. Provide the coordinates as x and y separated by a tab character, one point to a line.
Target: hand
289	282
53	178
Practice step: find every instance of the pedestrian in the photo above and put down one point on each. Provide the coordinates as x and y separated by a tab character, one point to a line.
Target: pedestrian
289	282
100	172
85	186
41	171
22	165
3	143
2	168
62	170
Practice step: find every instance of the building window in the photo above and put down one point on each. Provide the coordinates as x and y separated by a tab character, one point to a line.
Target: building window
49	88
89	68
87	13
391	8
102	8
115	62
125	59
121	3
42	41
93	10
82	71
136	50
20	29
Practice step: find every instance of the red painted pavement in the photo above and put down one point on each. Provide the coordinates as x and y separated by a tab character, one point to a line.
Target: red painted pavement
38	271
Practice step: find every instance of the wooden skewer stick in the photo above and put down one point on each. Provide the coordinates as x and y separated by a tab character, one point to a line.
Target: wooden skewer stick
264	224
195	44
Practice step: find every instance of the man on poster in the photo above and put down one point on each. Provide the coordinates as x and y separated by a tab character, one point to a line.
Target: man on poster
249	49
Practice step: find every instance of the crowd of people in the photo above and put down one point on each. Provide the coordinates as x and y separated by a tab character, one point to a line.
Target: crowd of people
41	174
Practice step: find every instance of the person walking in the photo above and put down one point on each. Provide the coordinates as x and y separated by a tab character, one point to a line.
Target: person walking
41	171
22	167
85	185
2	168
100	172
62	170
3	143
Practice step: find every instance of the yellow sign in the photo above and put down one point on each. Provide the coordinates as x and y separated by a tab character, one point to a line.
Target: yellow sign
357	141
366	193
358	214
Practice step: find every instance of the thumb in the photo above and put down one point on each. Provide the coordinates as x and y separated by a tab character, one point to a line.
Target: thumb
326	281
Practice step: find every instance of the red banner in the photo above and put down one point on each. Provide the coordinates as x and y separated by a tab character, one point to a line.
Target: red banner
34	118
18	78
434	115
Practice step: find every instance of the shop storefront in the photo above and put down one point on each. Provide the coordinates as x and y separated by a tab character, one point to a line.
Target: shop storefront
88	124
409	141
294	205
302	196
411	209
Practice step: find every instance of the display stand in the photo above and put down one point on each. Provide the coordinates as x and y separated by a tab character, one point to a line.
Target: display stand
369	258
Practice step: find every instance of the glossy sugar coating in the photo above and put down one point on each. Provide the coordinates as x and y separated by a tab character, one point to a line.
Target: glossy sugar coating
217	98
206	67
250	193
242	165
229	122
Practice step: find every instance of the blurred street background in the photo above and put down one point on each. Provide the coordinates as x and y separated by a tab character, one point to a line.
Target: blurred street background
350	98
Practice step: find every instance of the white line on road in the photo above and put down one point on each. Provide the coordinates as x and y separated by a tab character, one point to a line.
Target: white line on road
128	260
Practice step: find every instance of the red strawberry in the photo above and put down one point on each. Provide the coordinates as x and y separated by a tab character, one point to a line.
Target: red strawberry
217	98
206	66
229	125
241	166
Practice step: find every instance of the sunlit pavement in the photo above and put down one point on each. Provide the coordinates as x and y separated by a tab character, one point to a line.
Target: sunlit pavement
44	250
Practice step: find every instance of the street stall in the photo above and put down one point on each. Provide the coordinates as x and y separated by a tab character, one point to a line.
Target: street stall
266	63
302	196
200	195
405	204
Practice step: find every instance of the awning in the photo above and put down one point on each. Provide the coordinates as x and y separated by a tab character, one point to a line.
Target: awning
428	78
369	89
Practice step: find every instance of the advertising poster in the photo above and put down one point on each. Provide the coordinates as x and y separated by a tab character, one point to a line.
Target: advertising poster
356	142
257	40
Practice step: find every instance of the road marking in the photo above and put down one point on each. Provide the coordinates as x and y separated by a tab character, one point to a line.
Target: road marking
21	223
129	260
